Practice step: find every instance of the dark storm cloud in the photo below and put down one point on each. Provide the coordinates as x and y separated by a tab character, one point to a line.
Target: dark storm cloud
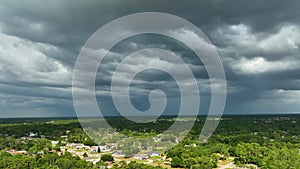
70	23
258	43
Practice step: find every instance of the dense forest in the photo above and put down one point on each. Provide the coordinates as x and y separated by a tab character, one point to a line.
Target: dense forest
261	141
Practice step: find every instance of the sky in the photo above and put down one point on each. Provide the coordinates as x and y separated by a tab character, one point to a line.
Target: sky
257	41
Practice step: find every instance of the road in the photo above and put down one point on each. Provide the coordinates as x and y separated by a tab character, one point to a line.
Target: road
227	165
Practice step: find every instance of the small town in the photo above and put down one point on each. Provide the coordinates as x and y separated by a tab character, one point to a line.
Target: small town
93	154
38	140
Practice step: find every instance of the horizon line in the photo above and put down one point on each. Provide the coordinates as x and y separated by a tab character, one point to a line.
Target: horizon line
200	115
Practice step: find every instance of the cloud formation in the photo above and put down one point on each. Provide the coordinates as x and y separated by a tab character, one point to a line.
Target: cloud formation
257	41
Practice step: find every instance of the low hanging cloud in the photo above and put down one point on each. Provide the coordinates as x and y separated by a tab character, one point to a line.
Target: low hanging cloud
239	38
259	65
22	61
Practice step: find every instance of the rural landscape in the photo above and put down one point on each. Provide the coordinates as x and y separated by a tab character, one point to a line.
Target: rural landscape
269	141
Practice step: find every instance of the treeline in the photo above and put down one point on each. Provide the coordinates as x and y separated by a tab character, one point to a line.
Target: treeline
270	142
275	155
193	154
31	146
42	128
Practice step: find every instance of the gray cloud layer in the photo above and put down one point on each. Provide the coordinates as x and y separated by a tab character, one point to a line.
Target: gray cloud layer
258	43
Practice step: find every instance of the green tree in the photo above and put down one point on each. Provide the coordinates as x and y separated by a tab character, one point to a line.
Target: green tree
176	162
107	157
85	154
